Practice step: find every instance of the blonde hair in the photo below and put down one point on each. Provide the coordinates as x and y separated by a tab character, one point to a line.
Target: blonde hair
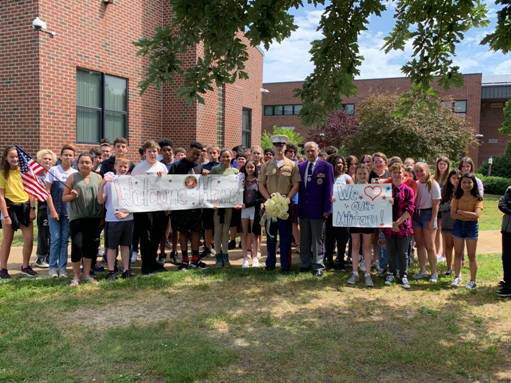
425	168
43	152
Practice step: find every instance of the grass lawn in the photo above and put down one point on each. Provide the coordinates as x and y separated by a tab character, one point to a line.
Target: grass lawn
251	325
491	217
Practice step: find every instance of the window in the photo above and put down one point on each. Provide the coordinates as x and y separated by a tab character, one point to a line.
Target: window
246	127
460	106
278	110
101	107
268	110
297	109
349	109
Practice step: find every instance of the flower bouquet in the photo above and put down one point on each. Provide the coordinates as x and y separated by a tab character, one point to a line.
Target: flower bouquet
277	207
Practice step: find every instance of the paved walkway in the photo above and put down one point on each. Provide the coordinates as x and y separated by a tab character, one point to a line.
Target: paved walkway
489	242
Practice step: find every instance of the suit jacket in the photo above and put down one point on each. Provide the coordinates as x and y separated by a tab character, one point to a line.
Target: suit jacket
315	198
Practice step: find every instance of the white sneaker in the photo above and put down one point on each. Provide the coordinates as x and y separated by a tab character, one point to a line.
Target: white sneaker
389	280
62	273
245	264
353	279
405	283
420	275
456	282
134	255
440	258
433	278
471	285
53	273
255	262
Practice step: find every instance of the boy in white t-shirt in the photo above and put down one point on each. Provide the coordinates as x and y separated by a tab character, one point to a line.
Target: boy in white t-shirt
118	223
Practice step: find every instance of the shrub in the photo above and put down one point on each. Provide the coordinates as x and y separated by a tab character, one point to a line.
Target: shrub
293	136
501	166
494	185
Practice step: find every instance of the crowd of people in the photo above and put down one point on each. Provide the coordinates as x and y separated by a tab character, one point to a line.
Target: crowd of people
434	212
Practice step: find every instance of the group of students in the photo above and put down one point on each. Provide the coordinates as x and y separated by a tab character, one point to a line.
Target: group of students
430	211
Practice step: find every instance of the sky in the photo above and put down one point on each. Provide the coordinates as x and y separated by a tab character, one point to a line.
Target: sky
290	60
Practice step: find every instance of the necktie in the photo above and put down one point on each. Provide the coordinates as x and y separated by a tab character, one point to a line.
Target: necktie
308	177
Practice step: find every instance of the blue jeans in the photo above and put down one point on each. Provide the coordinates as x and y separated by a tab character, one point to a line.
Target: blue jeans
59	237
283	228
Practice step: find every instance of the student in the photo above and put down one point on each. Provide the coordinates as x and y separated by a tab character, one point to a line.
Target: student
207	214
222	216
268	155
442	169
120	149
351	165
166	153
166	157
397	238
188	222
466	207
84	216
150	225
292	153
119	224
179	153
250	214
257	157
467	165
505	207
379	170
361	237
58	217
425	222
18	212
46	158
336	235
106	150
447	222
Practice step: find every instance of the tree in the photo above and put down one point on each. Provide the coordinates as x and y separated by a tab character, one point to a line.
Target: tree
434	27
339	129
426	130
293	136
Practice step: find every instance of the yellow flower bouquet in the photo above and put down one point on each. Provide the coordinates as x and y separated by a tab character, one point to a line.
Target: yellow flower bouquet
277	207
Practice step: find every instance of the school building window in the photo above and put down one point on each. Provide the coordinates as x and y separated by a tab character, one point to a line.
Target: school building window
282	110
246	127
349	109
101	107
459	106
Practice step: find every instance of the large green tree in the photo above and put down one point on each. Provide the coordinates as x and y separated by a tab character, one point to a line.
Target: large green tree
434	27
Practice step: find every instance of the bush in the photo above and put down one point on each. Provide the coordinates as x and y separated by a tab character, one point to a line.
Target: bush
293	136
501	166
494	185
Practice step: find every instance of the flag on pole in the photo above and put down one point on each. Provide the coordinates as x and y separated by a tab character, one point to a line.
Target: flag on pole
29	170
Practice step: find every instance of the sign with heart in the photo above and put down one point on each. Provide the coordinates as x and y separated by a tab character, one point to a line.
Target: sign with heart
362	206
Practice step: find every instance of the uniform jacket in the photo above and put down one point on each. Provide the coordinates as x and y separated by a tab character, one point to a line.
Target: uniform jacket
315	199
505	207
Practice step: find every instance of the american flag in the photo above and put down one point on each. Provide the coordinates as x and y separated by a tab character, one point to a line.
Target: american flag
29	170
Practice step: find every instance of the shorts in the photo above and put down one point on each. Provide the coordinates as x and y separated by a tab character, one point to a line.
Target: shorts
19	214
465	229
421	217
185	221
362	230
207	218
118	234
248	213
84	238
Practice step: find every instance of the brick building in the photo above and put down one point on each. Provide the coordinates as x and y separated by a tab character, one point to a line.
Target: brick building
82	84
480	101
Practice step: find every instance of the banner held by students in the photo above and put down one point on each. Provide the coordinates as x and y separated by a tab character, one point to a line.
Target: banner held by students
138	194
362	205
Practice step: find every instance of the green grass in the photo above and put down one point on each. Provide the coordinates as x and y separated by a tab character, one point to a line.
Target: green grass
491	216
251	325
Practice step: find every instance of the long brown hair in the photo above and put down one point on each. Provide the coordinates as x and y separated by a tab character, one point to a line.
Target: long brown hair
5	164
442	179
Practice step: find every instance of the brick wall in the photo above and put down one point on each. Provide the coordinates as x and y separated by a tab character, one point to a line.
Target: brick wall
493	142
19	76
283	93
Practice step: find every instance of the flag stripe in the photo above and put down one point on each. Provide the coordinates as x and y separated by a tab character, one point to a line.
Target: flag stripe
29	169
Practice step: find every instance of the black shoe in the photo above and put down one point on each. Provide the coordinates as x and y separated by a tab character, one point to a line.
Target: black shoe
269	268
173	258
162	258
111	276
127	274
231	245
159	268
198	265
182	266
99	269
318	273
28	272
305	269
504	292
4	274
330	266
205	253
502	283
41	262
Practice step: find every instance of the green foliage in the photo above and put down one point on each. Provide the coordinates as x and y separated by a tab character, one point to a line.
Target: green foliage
506	124
501	166
433	28
413	126
293	136
495	185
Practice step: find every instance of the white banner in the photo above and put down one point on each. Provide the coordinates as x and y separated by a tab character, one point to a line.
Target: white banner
362	205
176	192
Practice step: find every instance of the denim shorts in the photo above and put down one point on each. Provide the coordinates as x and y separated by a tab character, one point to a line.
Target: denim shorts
422	217
465	229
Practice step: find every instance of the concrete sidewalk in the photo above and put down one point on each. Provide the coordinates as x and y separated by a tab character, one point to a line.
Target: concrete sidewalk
489	242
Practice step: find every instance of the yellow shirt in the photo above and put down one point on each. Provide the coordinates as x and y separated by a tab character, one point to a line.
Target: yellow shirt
279	179
466	203
13	187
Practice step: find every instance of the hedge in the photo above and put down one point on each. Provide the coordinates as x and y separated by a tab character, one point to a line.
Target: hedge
494	185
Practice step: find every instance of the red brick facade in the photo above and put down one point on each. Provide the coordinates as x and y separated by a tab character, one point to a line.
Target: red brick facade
38	75
478	115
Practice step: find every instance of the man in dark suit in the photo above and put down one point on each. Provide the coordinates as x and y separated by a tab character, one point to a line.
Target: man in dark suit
314	206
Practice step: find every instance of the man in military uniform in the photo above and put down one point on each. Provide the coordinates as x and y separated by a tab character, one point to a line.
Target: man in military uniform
314	206
279	175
